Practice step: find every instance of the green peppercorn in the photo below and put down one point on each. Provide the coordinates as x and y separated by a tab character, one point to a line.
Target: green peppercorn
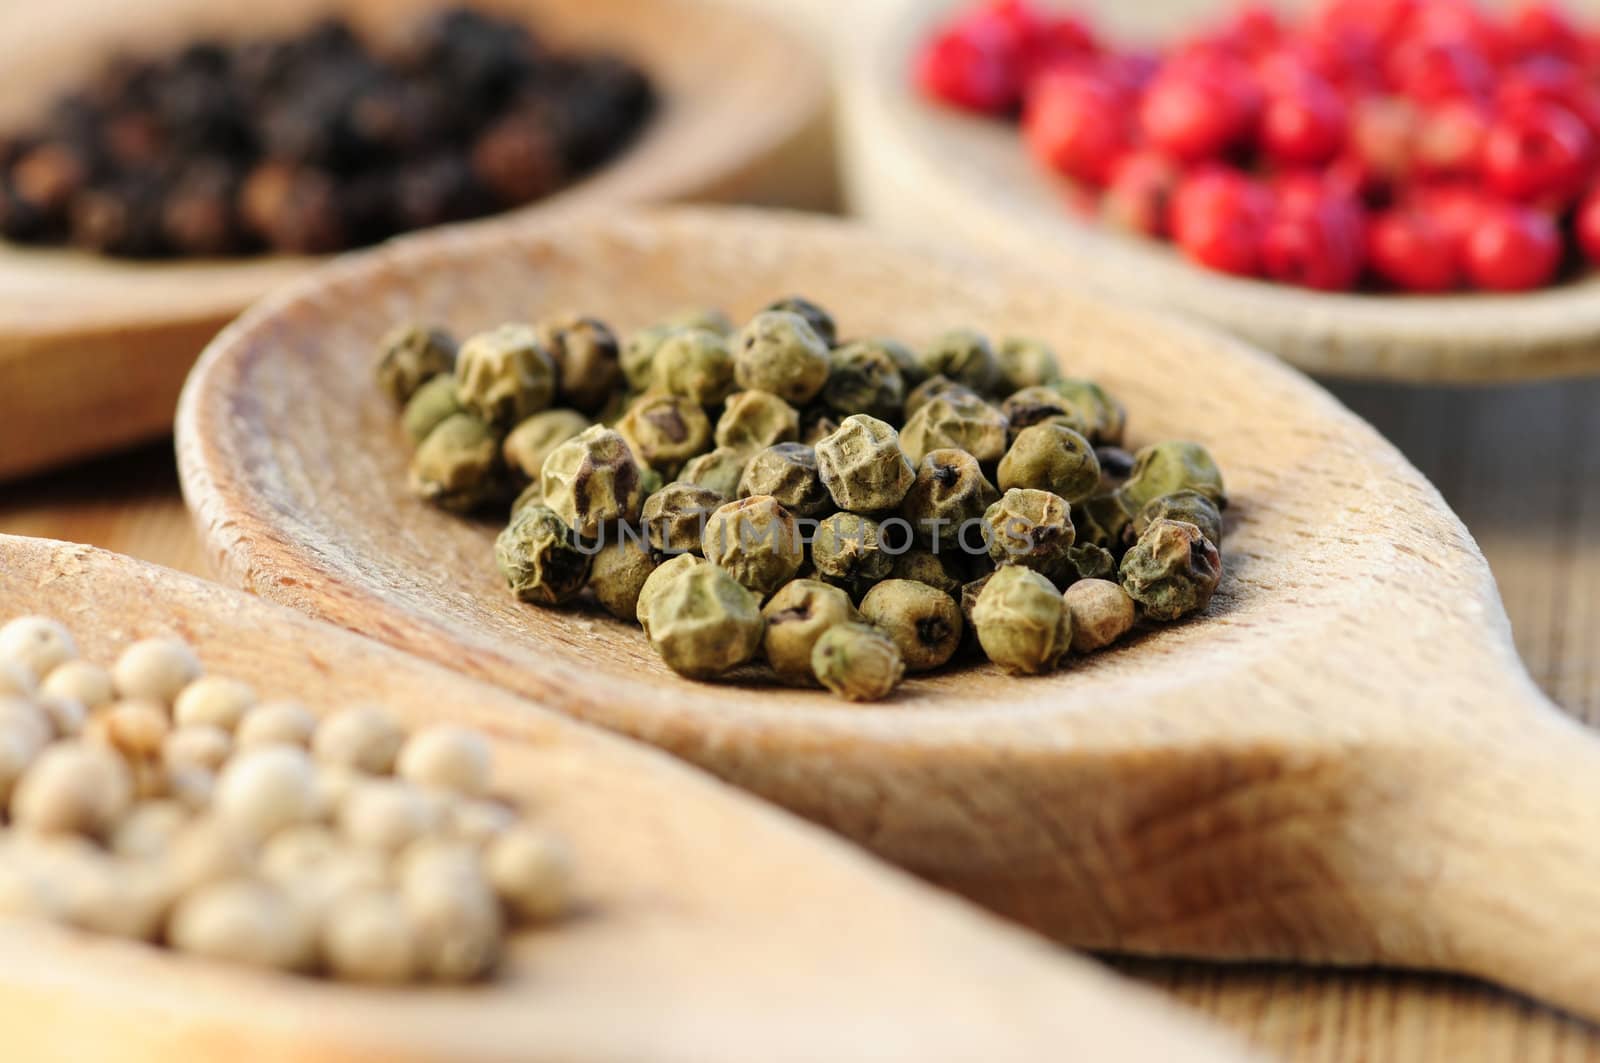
935	387
796	617
754	420
1041	405
1172	570
592	482
864	379
1105	417
965	356
857	662
820	320
675	517
665	431
1190	506
816	424
848	551
504	376
958	421
1101	614
1116	465
1167	468
1032	529
663	574
704	623
924	623
696	364
639	354
531	495
706	317
1089	561
458	466
433	404
1022	621
1026	363
949	492
1103	520
532	442
540	558
971	591
788	473
411	355
587	359
650	481
779	352
925	566
617	575
1050	457
904	359
863	467
716	470
757	541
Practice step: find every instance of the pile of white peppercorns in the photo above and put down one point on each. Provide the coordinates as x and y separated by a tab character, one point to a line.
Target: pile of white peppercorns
152	802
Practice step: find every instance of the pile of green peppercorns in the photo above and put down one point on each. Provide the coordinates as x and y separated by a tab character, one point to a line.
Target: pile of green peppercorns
746	494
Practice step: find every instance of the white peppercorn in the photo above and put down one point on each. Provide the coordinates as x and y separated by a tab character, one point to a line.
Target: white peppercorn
37	643
364	737
214	700
156	669
446	757
72	788
264	790
242	921
368	937
286	723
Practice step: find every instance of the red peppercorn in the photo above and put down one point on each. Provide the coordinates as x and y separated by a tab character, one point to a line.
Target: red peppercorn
1218	219
1540	154
972	68
1513	249
1384	136
1315	239
1198	111
1450	140
1588	226
1544	29
1073	123
1304	124
1414	252
1139	197
1434	69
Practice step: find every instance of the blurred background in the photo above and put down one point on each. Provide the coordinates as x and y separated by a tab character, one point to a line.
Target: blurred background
1519	462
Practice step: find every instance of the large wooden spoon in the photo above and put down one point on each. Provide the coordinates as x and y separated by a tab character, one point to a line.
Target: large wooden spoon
710	927
1344	761
93	351
915	167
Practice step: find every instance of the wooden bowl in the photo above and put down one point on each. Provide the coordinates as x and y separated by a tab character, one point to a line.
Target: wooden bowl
917	168
93	350
1344	761
709	927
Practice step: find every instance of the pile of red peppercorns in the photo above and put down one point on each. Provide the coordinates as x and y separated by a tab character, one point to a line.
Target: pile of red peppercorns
314	143
1420	146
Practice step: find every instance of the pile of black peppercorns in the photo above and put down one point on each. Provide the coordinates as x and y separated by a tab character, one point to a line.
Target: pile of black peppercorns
313	143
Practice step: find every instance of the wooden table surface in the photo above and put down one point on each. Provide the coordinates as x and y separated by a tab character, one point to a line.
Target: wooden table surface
1522	467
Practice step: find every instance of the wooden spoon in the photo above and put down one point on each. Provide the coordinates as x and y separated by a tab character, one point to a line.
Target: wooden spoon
93	351
1343	762
915	167
711	928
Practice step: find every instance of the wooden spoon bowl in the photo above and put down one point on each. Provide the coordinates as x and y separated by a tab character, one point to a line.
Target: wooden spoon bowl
710	927
1334	764
917	168
93	351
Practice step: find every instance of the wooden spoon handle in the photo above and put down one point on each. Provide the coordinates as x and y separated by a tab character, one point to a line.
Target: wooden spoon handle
1511	862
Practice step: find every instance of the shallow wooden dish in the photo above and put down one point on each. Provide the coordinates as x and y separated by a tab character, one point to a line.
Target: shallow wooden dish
710	927
1344	762
93	351
917	168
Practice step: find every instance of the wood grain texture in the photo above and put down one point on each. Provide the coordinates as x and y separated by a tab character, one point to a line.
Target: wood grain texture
1344	763
132	504
94	351
913	167
707	926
